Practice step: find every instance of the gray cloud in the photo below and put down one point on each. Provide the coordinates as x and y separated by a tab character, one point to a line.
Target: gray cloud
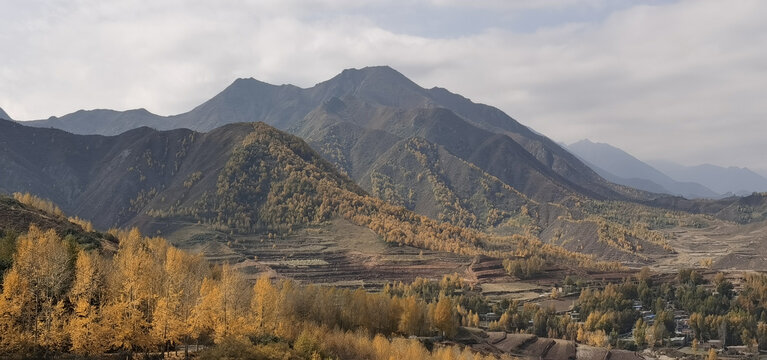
675	80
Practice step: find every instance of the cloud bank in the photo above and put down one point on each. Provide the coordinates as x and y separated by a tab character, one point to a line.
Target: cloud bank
677	80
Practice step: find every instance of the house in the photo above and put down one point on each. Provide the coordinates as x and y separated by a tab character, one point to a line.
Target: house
490	317
678	341
715	344
575	316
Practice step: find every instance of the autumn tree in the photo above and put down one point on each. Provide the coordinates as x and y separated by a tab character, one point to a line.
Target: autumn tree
223	306
17	308
712	354
134	283
36	283
413	320
264	305
183	274
640	332
87	295
444	317
86	331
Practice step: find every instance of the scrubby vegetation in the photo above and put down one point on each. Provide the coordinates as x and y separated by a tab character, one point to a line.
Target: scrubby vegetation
42	204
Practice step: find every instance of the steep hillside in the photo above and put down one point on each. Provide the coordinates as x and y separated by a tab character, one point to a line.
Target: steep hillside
620	167
422	176
16	217
107	180
496	154
748	209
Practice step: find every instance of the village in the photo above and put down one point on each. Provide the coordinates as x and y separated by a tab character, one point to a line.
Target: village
562	300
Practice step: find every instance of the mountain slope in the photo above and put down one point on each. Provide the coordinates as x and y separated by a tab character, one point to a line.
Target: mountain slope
4	115
620	167
16	217
103	179
732	180
245	178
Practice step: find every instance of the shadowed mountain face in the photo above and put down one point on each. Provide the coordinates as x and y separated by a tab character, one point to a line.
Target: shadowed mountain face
106	179
621	168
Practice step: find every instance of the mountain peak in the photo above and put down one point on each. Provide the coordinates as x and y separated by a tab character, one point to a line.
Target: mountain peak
587	141
378	69
247	83
379	84
4	115
372	75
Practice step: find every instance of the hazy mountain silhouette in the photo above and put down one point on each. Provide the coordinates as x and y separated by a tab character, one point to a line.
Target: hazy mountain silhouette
621	167
724	180
100	121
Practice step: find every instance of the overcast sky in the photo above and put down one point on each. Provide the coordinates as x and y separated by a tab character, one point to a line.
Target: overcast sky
678	80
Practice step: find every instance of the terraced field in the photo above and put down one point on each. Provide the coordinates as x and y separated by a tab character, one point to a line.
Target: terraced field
337	253
726	246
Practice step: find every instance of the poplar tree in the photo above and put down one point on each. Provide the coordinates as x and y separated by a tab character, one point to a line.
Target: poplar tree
444	317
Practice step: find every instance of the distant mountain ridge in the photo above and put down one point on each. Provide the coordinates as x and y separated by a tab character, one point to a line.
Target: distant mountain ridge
620	167
725	180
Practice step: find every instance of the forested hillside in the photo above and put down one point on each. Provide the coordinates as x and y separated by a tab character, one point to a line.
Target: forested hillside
238	179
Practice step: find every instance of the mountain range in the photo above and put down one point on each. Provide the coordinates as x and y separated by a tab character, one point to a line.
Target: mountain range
622	168
370	134
724	180
701	181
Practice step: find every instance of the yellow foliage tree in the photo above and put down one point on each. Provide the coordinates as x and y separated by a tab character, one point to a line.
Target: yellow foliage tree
34	287
413	320
86	331
444	317
263	306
